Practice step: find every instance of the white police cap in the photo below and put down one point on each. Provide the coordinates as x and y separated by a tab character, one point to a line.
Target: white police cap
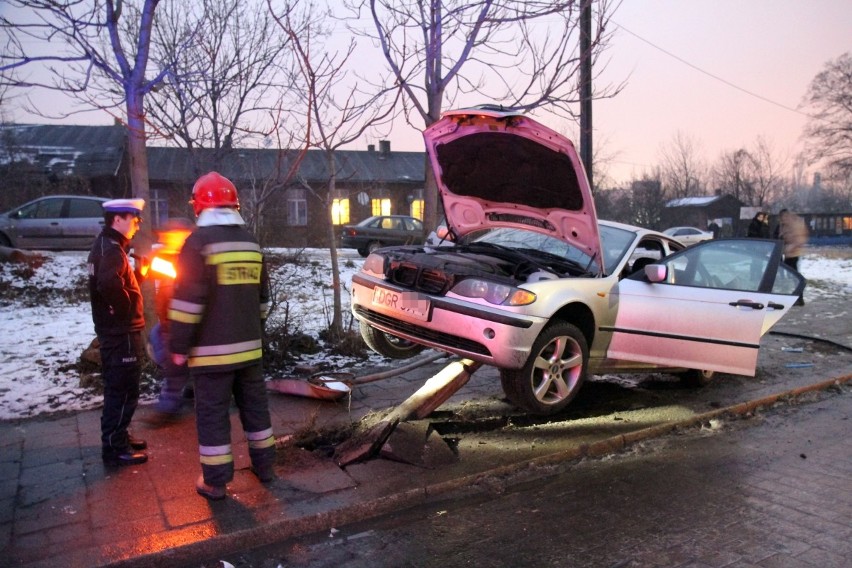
134	206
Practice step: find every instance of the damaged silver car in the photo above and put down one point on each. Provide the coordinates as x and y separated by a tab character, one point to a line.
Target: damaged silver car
529	281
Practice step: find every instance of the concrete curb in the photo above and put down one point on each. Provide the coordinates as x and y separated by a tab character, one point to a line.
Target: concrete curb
470	484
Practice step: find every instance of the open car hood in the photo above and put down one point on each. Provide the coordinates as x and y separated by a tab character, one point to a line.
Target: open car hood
503	169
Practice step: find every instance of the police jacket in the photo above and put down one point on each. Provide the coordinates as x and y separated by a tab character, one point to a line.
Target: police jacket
220	297
113	286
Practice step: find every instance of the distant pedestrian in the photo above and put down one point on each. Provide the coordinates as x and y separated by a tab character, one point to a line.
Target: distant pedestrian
759	226
714	228
792	230
119	321
216	318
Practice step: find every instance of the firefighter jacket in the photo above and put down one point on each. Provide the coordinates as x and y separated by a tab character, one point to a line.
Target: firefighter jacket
220	298
114	286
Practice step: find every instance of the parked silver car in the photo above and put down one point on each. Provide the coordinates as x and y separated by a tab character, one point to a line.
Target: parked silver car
57	222
529	281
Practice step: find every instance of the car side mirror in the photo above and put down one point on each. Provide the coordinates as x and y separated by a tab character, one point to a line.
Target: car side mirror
656	272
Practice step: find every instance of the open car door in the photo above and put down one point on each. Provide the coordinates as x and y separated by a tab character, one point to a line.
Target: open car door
705	307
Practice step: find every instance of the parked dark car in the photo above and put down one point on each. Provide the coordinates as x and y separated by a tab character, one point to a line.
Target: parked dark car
381	231
57	222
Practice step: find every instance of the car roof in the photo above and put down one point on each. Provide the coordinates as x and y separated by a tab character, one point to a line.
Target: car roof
59	196
636	229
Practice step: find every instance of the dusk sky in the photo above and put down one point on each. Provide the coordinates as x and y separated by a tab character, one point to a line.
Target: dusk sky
721	72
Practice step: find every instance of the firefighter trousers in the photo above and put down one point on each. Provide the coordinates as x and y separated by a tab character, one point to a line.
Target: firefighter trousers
121	364
213	393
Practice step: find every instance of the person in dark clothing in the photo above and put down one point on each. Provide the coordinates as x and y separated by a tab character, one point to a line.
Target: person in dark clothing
216	317
714	228
759	226
176	387
119	321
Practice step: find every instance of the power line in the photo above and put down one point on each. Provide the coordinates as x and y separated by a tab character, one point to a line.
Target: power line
712	76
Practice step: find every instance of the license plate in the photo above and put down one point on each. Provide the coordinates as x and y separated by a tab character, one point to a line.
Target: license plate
408	303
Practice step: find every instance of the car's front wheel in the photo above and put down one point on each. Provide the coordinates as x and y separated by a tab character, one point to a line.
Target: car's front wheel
388	345
554	373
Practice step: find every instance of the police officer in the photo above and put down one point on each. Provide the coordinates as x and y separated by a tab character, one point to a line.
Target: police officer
216	317
119	324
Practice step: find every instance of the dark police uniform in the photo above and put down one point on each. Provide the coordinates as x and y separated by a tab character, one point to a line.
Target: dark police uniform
119	324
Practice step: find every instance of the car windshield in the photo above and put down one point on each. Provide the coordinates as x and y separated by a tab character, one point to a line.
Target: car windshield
548	252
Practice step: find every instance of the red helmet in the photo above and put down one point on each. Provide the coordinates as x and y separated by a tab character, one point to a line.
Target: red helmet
213	190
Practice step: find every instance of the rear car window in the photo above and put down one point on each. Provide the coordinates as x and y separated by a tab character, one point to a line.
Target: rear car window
85	208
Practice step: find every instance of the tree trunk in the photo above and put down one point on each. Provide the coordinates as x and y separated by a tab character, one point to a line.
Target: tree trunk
336	327
136	140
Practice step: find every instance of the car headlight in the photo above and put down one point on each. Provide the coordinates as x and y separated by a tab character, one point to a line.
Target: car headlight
375	264
493	292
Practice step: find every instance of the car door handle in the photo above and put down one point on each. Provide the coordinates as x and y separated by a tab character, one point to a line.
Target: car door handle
775	306
747	304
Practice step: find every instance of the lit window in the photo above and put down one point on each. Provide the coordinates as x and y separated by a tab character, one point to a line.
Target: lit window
340	211
381	206
417	209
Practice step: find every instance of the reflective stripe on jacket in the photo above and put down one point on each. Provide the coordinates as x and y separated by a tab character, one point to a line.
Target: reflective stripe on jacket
220	299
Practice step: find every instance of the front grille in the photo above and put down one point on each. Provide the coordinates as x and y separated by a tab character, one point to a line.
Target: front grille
424	333
433	282
411	276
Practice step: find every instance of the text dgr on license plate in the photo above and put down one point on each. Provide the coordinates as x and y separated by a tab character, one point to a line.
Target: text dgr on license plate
410	303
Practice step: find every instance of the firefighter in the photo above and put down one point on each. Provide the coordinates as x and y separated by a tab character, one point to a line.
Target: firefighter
119	321
176	389
216	322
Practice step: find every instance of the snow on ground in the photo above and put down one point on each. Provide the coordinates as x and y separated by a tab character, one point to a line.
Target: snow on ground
42	335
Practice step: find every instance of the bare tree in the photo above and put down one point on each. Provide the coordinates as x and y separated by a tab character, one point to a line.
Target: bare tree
768	181
88	50
226	85
523	55
682	172
647	201
733	174
829	101
97	51
752	176
342	110
231	87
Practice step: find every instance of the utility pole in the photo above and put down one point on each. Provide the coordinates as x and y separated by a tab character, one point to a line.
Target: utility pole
586	88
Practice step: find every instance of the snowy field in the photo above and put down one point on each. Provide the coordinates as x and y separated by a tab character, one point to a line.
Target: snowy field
43	334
